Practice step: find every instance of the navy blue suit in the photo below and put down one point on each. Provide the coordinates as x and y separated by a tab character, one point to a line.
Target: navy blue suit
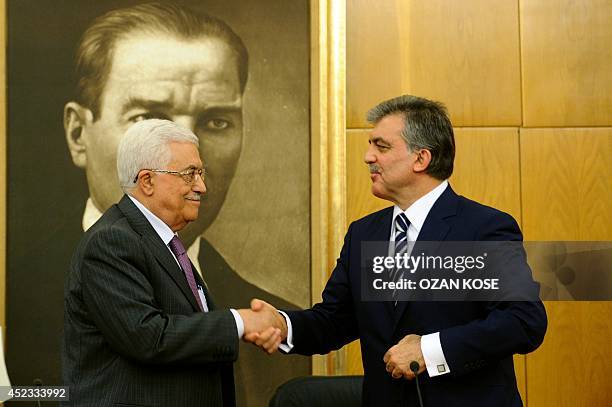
478	338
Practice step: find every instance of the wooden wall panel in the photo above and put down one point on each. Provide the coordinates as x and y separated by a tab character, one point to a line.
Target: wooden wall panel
463	53
487	167
567	183
571	368
567	195
521	375
566	62
354	366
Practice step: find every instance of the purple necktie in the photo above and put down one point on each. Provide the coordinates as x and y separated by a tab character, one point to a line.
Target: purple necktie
179	251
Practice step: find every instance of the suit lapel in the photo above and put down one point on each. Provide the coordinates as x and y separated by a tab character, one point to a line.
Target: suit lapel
161	252
435	229
379	231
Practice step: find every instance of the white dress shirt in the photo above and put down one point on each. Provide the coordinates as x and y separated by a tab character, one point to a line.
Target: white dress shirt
431	347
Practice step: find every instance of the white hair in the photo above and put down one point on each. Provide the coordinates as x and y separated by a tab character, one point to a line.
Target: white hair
145	145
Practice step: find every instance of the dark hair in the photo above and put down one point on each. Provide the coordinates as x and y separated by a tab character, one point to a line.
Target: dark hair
95	51
426	126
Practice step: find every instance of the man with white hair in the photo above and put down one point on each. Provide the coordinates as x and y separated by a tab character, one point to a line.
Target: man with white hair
140	326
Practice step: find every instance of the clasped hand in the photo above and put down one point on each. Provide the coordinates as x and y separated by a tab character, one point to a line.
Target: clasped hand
398	357
264	326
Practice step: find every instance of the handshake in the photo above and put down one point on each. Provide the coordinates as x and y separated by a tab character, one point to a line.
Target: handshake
264	326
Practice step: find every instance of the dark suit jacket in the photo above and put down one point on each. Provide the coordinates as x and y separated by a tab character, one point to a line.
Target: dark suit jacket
35	331
478	338
133	333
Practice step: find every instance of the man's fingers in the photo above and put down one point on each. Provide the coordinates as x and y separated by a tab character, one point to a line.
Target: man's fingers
397	373
250	337
277	343
271	344
265	336
269	340
387	357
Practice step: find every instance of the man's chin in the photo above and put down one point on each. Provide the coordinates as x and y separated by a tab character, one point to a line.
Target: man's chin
378	193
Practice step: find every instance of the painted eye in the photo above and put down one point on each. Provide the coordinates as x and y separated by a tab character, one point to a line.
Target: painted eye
147	116
217	124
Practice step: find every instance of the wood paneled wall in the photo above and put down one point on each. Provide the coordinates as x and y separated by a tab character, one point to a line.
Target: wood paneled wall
528	85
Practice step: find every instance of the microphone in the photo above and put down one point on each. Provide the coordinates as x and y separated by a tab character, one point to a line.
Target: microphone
414	366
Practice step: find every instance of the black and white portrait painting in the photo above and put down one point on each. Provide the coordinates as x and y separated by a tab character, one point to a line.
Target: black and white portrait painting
79	73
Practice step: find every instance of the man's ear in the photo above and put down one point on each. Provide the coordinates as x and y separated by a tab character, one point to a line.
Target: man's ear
145	182
422	161
76	118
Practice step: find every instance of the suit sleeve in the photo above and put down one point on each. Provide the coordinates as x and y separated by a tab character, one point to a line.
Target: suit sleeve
121	302
331	324
507	327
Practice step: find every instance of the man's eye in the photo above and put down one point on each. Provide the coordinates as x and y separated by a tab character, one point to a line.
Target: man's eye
147	116
217	124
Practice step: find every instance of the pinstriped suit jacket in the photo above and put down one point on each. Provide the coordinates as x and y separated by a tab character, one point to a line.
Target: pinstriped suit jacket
132	332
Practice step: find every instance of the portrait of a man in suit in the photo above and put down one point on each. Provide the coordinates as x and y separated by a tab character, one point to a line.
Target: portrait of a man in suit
167	61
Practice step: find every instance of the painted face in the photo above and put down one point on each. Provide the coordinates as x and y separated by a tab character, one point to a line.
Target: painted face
174	200
389	160
196	84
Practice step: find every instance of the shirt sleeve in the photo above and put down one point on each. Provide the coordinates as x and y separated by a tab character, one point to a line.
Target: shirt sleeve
433	355
287	345
239	323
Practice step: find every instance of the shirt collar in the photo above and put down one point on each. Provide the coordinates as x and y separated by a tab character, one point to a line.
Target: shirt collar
165	233
91	214
418	211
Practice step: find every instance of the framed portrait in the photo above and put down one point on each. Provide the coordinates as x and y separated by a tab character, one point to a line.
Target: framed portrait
279	210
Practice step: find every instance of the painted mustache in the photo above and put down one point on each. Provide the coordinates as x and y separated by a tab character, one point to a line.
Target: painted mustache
374	168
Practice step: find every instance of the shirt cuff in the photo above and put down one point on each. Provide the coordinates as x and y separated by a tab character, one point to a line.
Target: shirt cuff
431	348
239	323
287	345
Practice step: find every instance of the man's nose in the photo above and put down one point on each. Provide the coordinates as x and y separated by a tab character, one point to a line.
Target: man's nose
187	122
199	185
369	157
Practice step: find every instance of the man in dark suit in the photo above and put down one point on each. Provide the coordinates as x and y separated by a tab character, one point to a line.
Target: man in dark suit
165	61
463	348
140	326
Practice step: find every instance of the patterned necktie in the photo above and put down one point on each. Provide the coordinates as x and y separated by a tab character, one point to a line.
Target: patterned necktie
401	238
401	245
179	251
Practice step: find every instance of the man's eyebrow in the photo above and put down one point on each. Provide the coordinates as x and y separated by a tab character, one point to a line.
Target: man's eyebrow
156	105
377	139
225	108
148	104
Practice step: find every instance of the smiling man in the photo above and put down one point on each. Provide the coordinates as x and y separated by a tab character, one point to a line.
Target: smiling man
165	61
140	325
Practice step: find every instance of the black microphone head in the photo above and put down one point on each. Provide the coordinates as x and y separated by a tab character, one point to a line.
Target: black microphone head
414	366
38	382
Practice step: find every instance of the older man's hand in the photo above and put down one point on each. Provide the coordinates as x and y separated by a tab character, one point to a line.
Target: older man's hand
264	326
398	357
